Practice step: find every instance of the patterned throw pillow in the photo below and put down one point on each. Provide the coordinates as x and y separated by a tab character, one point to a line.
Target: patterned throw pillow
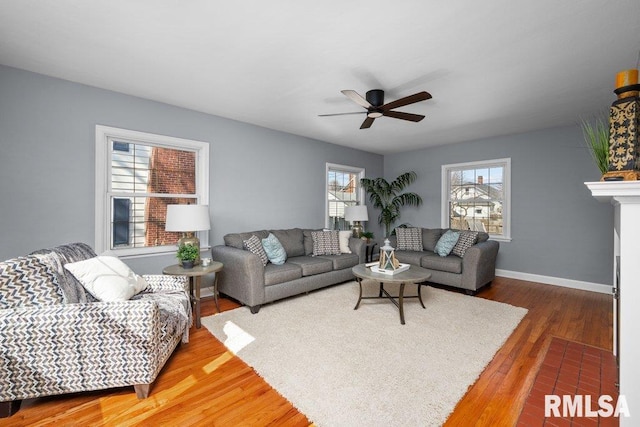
325	242
465	241
409	239
274	250
25	281
254	245
447	242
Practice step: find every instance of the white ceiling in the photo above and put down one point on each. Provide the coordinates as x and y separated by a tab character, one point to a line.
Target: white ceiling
494	67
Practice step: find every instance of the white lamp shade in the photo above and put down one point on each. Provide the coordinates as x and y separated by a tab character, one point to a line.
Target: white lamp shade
187	218
356	213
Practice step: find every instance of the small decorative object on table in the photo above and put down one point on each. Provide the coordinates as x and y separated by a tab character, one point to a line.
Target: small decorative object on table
366	236
187	254
388	263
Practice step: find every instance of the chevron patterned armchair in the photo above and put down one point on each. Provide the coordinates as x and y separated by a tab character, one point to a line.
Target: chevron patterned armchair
56	338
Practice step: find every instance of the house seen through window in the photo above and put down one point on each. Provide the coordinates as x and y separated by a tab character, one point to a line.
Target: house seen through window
142	174
476	196
343	189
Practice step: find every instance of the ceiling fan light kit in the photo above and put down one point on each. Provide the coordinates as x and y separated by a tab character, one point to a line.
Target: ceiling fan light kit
376	108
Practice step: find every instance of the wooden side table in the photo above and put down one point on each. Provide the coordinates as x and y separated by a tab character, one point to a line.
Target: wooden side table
194	274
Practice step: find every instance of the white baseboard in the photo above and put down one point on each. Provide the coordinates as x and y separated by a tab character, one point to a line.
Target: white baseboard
557	281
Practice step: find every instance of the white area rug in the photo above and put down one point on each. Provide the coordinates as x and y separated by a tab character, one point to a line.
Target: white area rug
346	367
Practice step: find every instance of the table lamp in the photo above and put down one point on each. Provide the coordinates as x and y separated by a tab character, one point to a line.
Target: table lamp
188	219
356	214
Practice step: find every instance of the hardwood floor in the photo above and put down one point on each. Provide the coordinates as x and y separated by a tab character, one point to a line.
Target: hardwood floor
203	384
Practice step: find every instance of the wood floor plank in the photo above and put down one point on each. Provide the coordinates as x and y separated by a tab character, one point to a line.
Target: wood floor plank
203	384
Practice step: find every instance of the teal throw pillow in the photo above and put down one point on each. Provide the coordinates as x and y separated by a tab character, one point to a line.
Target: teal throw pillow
275	252
447	242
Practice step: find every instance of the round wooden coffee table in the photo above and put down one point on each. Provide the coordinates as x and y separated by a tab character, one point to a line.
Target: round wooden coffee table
415	275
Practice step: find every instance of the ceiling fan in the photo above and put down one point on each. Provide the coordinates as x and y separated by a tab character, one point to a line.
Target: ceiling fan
374	103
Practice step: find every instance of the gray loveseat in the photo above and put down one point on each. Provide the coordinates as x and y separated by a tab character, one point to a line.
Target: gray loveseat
248	281
474	270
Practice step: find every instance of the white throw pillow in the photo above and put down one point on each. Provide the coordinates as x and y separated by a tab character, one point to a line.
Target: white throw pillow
107	278
343	238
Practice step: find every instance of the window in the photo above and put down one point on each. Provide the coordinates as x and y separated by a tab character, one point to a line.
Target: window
343	189
137	176
476	196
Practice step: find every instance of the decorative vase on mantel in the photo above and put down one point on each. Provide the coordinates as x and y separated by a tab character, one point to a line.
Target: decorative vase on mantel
624	132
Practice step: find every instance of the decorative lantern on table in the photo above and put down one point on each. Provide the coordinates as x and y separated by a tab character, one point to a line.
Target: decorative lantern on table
388	259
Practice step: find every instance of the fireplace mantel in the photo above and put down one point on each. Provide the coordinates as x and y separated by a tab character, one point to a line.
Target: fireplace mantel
612	191
625	196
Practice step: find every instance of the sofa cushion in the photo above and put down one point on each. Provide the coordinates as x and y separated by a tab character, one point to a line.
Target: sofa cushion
447	242
409	239
308	241
465	241
254	245
409	257
312	265
430	237
325	243
274	274
274	250
342	261
236	240
451	264
482	237
343	240
292	240
26	281
107	278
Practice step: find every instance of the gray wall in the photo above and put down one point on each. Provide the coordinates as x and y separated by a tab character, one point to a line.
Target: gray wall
259	178
266	179
557	228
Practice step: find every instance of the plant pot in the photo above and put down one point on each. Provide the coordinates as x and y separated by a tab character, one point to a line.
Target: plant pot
187	264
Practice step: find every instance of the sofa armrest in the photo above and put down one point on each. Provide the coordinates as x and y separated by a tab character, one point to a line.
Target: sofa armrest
358	247
166	283
69	347
242	277
479	264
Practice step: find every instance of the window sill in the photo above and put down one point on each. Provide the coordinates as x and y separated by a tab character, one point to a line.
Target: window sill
147	252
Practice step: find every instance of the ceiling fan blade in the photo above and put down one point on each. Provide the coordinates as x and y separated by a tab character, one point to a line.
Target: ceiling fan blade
403	116
341	114
416	97
355	97
367	123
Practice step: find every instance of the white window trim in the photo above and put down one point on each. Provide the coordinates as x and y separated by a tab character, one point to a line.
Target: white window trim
351	169
506	186
104	135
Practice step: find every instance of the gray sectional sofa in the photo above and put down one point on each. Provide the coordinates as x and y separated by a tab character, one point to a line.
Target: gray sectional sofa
474	270
247	280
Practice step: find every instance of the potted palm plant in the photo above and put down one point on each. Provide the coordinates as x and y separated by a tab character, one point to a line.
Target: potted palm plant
387	197
187	254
